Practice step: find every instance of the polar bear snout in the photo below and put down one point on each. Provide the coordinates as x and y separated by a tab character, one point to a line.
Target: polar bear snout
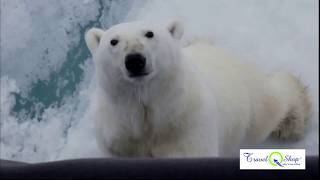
135	64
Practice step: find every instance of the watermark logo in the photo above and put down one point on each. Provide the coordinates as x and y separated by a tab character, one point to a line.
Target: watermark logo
275	159
272	158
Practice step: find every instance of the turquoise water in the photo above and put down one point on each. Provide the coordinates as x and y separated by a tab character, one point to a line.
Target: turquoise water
46	72
51	92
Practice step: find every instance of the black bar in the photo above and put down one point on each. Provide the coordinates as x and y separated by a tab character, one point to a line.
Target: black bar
144	168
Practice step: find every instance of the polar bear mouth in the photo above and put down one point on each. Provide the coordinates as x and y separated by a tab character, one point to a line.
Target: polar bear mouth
139	77
136	75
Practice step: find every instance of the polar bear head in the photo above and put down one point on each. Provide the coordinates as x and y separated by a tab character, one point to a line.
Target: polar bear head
135	52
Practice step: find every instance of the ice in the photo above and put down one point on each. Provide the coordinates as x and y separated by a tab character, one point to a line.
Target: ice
42	51
37	35
48	67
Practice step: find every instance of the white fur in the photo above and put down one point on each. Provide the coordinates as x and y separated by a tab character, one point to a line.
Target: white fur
197	100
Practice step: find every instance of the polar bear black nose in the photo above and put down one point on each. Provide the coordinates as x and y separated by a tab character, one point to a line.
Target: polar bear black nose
135	64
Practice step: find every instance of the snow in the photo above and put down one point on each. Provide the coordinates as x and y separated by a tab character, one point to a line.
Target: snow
36	38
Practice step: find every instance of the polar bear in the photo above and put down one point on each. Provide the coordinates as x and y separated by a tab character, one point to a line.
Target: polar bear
157	98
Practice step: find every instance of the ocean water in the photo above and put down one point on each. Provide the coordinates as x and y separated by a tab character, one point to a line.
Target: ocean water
47	71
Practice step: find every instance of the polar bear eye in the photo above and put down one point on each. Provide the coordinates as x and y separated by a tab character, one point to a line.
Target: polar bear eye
114	42
149	34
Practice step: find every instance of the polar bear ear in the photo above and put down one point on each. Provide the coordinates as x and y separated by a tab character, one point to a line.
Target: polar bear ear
93	37
176	29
